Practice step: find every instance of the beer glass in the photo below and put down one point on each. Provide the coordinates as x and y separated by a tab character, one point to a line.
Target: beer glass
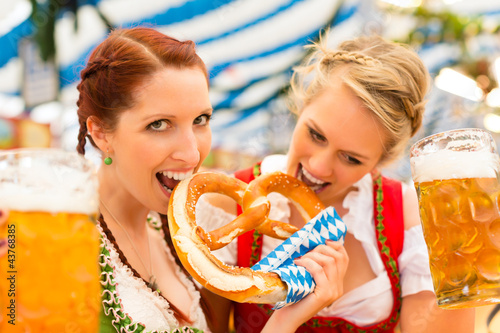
456	177
49	278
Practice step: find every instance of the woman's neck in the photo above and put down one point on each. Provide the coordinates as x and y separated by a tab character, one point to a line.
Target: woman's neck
124	220
119	206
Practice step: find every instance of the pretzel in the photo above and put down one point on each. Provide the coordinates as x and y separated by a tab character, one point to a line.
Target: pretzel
194	245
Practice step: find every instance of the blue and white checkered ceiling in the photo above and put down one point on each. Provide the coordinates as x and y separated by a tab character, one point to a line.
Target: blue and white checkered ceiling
249	46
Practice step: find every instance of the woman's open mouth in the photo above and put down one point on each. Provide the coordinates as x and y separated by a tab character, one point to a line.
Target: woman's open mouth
317	185
169	179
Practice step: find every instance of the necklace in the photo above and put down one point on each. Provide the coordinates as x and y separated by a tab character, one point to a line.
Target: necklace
152	279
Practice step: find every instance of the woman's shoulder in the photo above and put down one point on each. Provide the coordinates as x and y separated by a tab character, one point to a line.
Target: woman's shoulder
411	216
271	163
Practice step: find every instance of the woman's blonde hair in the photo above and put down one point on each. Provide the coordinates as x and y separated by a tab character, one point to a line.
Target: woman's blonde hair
389	78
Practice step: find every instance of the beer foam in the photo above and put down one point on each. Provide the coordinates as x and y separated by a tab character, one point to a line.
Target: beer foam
447	164
43	186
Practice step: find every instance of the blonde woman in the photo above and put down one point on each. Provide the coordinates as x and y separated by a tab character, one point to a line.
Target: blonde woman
357	107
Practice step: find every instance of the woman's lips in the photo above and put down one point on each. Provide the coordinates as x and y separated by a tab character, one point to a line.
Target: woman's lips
169	179
317	185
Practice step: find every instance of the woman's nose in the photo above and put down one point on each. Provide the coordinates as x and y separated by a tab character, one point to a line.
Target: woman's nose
322	163
186	148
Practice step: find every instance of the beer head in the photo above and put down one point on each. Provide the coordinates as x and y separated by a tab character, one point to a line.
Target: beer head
49	180
465	153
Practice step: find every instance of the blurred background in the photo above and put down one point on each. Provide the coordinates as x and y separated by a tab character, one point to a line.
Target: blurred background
250	47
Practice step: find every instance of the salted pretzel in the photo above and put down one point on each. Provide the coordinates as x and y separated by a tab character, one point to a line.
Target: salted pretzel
193	244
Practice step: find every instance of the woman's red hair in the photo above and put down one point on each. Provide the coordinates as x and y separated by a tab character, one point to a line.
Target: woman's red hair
119	65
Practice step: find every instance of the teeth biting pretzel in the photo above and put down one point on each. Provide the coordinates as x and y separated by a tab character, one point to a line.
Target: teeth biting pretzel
193	244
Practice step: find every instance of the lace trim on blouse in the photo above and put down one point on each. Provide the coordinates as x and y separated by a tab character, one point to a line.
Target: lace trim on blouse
134	307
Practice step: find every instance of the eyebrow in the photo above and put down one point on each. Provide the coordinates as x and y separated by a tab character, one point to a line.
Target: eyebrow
354	154
165	115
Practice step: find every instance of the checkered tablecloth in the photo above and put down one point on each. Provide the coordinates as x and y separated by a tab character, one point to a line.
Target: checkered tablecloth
326	225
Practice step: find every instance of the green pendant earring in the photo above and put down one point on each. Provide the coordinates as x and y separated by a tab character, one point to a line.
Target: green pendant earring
108	159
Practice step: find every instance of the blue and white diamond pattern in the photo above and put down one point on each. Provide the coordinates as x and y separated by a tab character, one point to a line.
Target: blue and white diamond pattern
326	225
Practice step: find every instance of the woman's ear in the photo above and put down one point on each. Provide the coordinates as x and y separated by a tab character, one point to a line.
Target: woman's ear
98	133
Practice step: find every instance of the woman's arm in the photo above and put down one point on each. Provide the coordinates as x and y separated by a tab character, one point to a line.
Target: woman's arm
420	313
411	214
327	264
220	309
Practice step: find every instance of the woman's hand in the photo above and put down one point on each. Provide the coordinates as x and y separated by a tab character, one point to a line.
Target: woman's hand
327	264
420	313
3	241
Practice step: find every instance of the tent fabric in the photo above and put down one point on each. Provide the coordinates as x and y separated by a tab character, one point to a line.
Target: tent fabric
249	46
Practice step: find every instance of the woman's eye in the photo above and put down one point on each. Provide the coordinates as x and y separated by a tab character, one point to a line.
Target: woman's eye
158	125
202	120
316	136
351	160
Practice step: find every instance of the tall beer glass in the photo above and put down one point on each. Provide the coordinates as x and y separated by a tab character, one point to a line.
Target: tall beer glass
456	178
49	279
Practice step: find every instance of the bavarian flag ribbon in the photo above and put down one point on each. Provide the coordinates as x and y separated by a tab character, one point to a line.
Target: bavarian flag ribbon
326	225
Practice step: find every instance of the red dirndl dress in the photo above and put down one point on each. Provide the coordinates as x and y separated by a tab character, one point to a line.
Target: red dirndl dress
388	212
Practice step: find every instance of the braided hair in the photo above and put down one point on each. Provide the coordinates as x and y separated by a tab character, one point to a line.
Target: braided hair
118	66
389	78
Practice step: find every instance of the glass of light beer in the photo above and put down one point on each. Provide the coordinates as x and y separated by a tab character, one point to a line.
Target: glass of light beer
456	177
49	278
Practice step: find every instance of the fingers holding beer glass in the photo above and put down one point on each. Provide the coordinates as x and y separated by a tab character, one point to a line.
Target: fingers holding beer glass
49	275
456	177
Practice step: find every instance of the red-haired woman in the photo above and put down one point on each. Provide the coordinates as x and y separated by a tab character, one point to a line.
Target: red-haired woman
144	104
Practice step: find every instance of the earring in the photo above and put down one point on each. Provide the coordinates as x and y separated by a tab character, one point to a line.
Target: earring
108	159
